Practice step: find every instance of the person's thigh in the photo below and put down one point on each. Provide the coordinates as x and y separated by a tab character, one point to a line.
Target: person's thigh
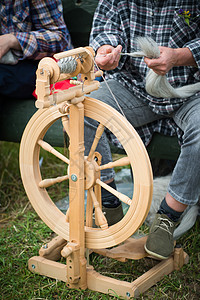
18	80
188	114
136	111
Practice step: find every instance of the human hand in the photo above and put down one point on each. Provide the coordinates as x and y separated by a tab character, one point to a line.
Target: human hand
7	42
107	57
167	60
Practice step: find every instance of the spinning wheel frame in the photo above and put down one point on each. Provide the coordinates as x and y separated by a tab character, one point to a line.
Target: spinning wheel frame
46	209
73	237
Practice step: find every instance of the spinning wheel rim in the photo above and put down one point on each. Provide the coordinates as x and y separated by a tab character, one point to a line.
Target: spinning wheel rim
42	203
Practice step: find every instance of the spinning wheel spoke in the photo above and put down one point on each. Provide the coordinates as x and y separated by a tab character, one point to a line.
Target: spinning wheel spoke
124	161
53	151
119	195
100	216
51	181
67	216
99	132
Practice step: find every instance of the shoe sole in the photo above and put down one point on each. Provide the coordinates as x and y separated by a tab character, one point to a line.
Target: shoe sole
155	254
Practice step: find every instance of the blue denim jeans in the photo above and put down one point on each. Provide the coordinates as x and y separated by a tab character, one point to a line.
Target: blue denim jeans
18	81
185	183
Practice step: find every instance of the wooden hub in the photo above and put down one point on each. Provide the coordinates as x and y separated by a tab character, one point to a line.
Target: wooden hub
92	170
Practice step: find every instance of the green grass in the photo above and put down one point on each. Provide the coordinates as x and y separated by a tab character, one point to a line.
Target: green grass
22	233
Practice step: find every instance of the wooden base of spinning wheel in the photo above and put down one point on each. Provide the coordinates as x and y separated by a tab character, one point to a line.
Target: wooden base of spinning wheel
46	264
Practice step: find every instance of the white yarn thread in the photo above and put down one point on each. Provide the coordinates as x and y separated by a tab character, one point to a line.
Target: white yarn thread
157	85
108	87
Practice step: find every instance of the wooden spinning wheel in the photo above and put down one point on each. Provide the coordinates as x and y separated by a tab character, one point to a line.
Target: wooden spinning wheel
75	231
38	195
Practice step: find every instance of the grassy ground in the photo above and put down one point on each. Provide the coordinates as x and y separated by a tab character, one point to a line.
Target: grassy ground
22	233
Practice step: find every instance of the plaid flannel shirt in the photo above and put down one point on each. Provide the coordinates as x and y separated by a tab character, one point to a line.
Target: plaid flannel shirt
121	21
38	25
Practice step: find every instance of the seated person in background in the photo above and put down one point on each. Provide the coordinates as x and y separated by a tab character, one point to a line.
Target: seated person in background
175	29
29	31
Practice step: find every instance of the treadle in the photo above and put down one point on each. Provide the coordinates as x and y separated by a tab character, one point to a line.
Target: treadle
130	249
95	281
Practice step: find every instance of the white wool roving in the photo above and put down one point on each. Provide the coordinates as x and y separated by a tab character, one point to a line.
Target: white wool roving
157	85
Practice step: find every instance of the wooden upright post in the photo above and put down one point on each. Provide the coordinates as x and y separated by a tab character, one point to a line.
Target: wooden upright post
76	198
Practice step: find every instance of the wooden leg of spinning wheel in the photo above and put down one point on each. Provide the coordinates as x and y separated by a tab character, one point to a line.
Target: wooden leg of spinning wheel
134	249
165	267
46	267
76	199
52	249
180	258
107	285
